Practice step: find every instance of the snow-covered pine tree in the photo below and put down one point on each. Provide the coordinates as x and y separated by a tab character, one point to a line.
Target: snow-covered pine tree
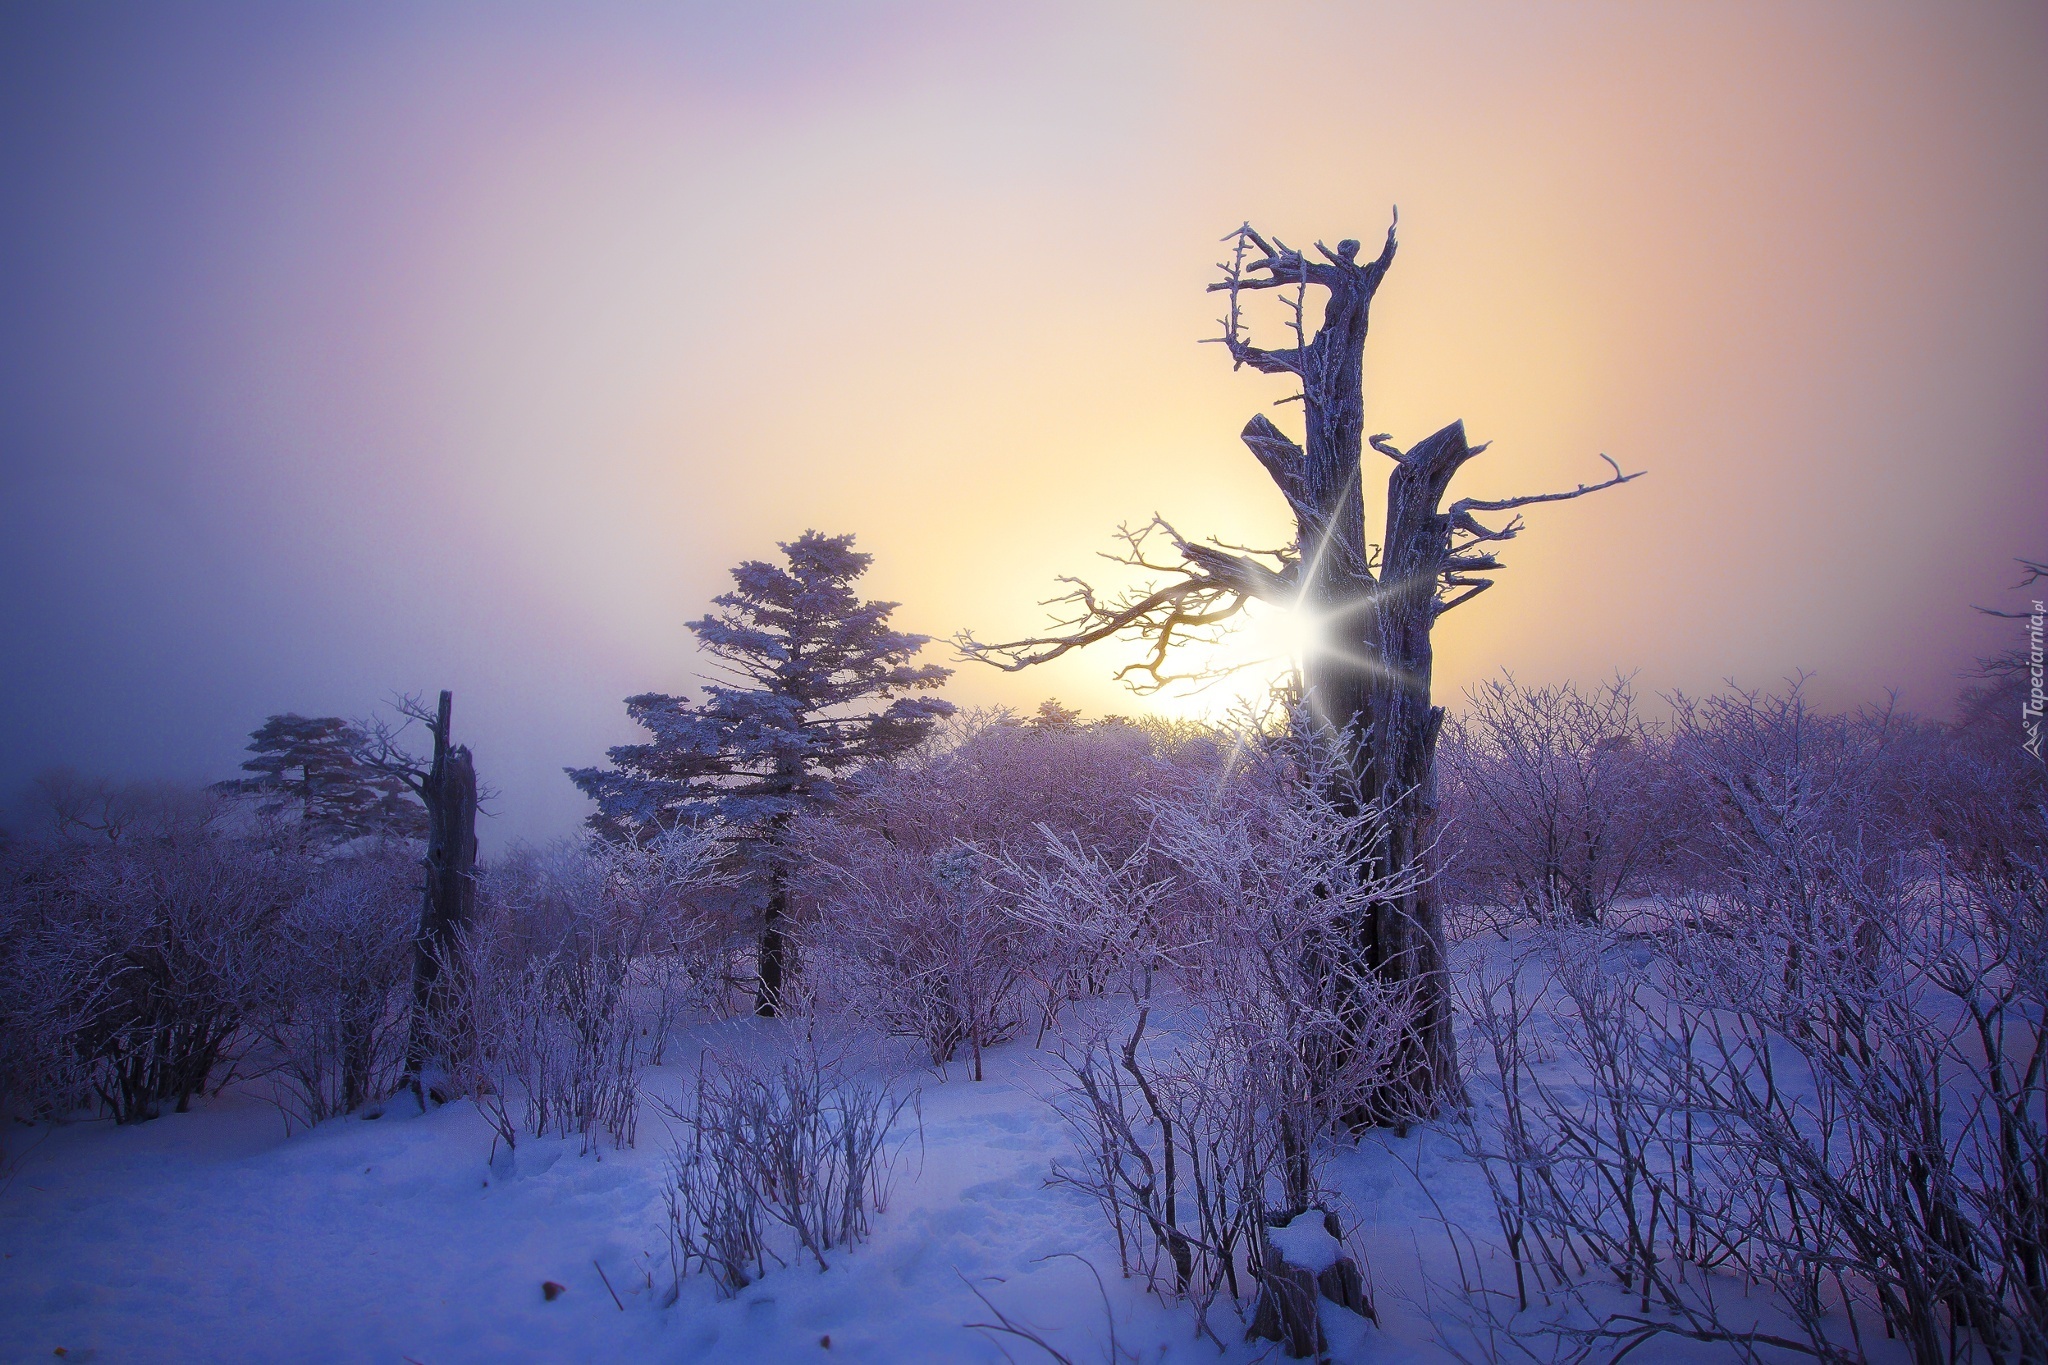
803	671
310	772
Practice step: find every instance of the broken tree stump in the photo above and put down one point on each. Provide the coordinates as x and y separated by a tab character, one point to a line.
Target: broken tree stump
1301	1262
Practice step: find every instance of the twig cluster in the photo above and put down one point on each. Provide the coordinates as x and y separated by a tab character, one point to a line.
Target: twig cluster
1825	1076
776	1162
1194	1145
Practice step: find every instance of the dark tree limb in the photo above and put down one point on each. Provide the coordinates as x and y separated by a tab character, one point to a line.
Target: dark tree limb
2032	572
1465	506
1211	585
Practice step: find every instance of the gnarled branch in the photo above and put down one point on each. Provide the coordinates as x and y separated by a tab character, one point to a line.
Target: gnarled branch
1211	584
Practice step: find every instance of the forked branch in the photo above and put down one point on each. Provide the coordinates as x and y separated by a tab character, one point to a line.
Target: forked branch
1279	266
2031	572
1460	579
1209	584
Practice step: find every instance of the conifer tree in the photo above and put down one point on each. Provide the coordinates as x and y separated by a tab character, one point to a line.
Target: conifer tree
310	771
809	684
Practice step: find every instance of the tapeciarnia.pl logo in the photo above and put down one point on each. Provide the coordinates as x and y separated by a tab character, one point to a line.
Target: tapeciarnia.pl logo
2030	708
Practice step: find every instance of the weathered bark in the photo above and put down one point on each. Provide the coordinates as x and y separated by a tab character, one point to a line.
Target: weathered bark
1400	727
1289	1308
448	903
1287	1312
1370	687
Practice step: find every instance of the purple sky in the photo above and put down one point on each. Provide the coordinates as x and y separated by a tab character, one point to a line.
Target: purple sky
351	350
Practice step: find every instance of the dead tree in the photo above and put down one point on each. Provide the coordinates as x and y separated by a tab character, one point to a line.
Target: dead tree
448	788
1367	682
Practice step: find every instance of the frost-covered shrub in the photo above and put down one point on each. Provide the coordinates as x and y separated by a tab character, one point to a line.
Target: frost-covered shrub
1553	797
545	979
921	945
996	783
774	1162
1788	797
1195	1143
135	933
559	1006
335	991
1812	1104
171	938
142	949
1983	793
1839	1100
1097	922
1273	876
681	893
911	910
41	1071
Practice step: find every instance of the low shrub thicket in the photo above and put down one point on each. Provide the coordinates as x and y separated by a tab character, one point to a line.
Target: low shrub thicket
776	1161
1803	1093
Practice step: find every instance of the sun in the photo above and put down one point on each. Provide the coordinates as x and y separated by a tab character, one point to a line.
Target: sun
1268	649
1290	633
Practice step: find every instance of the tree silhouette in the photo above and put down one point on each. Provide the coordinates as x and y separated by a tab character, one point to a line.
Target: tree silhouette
310	771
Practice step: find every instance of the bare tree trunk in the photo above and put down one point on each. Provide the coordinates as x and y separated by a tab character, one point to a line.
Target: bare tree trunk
1368	685
449	902
1401	727
771	957
772	966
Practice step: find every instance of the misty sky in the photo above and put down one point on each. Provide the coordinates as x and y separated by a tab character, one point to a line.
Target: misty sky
352	350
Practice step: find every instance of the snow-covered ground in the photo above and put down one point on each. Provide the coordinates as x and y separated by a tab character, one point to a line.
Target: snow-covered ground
212	1236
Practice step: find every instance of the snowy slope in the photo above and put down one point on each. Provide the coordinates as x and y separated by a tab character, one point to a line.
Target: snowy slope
212	1236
